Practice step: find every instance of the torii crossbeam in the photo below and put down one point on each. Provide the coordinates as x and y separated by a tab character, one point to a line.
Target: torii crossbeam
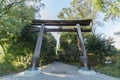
43	23
62	22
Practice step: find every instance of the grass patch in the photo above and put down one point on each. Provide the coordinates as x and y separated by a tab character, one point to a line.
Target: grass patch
109	69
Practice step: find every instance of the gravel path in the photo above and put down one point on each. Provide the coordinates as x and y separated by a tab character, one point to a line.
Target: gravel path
58	71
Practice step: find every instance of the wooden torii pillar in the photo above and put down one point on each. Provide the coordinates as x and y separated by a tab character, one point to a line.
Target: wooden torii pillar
43	23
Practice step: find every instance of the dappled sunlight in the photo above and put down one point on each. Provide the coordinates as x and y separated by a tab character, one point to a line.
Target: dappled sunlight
48	74
57	75
43	67
20	74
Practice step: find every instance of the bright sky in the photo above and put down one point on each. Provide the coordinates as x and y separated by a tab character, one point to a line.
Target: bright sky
109	29
53	7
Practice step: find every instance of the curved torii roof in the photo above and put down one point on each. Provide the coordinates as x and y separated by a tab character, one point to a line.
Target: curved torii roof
62	22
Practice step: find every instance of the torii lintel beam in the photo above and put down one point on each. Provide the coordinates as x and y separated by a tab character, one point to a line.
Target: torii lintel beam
62	22
60	30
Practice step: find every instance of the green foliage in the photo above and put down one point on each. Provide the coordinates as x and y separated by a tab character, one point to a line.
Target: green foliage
1	50
116	60
113	69
79	10
21	48
48	50
7	68
68	47
18	51
24	43
99	4
111	8
108	70
13	17
101	47
17	40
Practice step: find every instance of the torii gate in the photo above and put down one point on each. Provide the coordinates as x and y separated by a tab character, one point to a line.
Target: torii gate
43	23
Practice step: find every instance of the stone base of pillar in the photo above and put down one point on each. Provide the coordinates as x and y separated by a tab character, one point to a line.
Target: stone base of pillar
86	72
84	63
35	63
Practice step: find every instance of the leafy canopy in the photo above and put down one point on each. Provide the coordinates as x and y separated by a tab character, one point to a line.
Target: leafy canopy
13	17
111	8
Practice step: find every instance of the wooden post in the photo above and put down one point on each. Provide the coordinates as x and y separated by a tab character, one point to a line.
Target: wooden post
84	58
36	56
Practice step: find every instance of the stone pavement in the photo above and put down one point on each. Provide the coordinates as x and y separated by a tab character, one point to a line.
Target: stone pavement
58	71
